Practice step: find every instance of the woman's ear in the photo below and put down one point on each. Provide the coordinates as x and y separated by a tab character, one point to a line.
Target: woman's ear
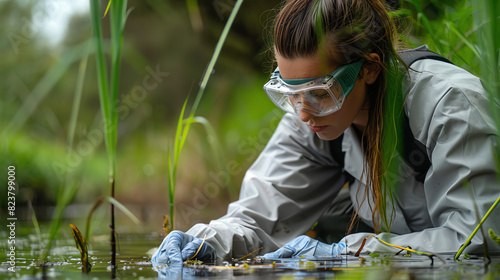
371	68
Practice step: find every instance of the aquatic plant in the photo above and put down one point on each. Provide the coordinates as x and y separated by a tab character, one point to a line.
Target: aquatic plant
108	92
183	125
114	202
81	244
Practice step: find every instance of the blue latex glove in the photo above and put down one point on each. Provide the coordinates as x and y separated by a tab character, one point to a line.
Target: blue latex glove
178	247
305	246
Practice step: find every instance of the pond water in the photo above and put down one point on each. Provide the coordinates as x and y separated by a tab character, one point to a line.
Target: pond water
133	263
64	260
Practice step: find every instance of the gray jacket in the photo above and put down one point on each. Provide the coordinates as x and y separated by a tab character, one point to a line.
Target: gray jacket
295	177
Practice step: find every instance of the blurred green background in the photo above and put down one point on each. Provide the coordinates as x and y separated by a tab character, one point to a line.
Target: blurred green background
45	43
42	53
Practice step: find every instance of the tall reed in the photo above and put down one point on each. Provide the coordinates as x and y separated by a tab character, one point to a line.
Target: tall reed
108	91
183	125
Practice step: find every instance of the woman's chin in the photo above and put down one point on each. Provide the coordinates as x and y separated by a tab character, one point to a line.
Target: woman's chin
328	135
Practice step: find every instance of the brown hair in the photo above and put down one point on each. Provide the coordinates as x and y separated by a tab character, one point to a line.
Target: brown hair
344	31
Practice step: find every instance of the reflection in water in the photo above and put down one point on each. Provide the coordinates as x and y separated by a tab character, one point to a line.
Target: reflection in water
170	272
180	272
379	268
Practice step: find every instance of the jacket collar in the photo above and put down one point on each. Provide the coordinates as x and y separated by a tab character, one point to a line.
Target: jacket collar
354	158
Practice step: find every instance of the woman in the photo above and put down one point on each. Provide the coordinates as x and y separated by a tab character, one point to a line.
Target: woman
340	75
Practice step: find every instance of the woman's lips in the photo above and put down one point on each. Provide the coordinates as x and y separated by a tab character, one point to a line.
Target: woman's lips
317	129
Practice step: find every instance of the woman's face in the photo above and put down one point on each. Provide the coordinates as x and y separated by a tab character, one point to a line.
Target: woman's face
354	110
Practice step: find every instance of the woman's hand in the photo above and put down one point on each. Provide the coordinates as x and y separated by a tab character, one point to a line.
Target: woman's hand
178	247
305	246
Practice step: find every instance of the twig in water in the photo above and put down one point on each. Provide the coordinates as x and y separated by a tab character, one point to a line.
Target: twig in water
251	253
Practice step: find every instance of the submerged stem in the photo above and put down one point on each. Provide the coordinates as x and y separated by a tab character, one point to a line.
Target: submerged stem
172	216
112	226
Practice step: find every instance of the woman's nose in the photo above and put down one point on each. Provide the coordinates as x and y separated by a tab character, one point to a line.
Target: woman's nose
305	116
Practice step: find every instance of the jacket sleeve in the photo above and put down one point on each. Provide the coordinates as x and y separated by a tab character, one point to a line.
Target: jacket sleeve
450	117
282	194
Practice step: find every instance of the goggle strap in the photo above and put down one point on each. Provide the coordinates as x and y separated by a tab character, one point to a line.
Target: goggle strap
347	76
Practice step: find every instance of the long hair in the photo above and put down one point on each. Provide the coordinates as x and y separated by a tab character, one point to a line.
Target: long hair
341	32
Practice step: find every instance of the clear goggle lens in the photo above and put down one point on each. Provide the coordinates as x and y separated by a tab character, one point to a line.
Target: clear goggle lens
317	100
318	96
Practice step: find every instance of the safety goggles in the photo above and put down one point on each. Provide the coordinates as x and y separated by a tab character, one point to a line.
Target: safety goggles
318	96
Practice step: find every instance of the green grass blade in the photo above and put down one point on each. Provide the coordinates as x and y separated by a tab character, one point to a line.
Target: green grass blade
117	19
102	76
488	27
183	138
63	201
426	23
99	47
486	18
82	69
116	203
459	57
182	132
462	36
89	216
183	128
215	55
109	95
124	209
171	185
211	138
36	226
180	135
173	162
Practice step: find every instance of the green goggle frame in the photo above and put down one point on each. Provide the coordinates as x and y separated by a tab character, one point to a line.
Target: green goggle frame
346	75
